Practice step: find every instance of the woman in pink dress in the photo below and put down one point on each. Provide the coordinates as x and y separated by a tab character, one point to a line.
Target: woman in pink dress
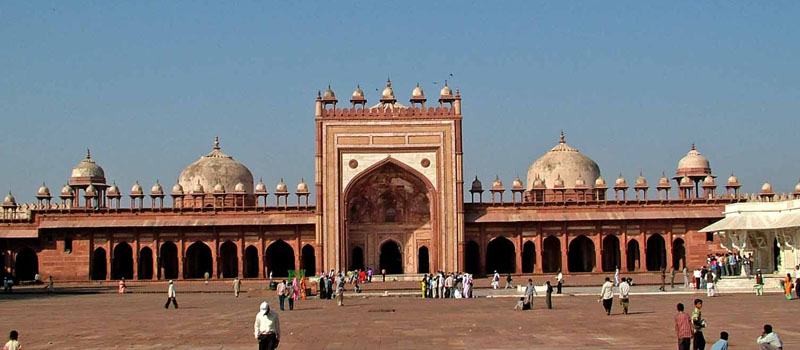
296	289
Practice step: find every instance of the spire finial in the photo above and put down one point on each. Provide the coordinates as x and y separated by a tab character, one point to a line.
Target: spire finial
693	148
562	137
88	154
216	143
388	82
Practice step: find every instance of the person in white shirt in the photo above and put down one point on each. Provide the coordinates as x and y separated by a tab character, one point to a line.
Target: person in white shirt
769	340
171	296
495	280
607	295
697	276
267	328
616	277
560	280
624	295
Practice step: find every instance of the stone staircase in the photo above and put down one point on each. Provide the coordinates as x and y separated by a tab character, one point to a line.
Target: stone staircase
772	283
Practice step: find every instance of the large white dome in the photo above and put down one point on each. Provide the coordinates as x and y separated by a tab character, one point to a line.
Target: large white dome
565	162
216	168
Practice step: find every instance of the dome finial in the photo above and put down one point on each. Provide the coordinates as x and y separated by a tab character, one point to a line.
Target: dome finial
562	137
216	143
88	154
693	148
388	82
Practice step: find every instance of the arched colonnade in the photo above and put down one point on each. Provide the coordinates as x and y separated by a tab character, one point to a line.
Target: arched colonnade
573	253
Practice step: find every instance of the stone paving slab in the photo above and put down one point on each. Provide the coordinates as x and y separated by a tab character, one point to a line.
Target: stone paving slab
220	321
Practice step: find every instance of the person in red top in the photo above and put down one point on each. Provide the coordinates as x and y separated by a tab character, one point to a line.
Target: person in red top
683	328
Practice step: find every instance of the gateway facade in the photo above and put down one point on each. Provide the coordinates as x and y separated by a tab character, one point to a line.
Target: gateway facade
389	194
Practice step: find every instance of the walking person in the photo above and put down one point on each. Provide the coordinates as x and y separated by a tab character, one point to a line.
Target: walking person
672	277
710	276
607	295
206	276
698	324
508	282
722	343
560	281
549	291
291	296
495	280
616	276
624	295
769	340
340	291
424	285
171	296
237	285
663	286
13	341
797	280
759	286
267	328
685	278
787	287
383	273
281	292
530	291
683	329
50	284
697	275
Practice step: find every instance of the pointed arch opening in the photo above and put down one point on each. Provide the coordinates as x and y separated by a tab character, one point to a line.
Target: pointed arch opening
678	254
145	263
122	262
611	253
198	261
99	264
500	256
391	258
26	265
309	260
169	260
393	199
656	253
551	254
528	257
581	255
251	262
423	260
472	257
634	259
279	258
229	260
357	259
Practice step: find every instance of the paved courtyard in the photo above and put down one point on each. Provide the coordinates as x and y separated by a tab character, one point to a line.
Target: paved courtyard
220	321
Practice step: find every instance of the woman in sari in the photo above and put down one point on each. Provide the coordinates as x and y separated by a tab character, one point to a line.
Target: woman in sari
787	287
296	288
467	285
303	288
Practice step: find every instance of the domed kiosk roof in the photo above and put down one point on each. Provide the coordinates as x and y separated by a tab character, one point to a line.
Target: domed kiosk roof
693	164
87	172
216	168
565	162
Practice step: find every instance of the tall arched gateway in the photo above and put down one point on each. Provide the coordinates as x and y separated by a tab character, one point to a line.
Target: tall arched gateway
389	204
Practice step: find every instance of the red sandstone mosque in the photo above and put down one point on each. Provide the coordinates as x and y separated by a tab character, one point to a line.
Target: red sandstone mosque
389	191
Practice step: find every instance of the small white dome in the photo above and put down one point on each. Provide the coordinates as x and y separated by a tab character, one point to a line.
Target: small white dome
766	188
261	187
43	191
136	188
177	189
67	190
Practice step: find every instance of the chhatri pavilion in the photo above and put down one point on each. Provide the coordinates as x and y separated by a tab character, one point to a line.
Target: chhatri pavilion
389	193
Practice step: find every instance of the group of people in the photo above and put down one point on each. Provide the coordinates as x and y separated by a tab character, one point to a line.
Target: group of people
526	302
292	292
443	285
689	331
623	292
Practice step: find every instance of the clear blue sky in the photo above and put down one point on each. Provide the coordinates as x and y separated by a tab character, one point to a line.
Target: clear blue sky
147	85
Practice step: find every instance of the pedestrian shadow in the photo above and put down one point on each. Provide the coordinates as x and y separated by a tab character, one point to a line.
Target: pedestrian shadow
641	312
